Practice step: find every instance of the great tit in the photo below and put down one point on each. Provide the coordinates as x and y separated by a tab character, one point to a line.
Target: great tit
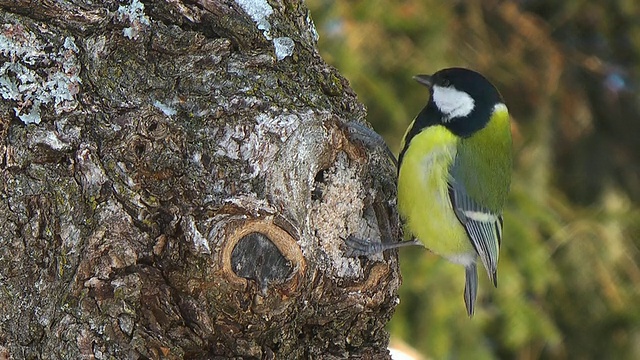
454	172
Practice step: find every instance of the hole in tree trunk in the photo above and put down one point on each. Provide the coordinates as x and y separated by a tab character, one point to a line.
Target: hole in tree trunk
255	257
319	179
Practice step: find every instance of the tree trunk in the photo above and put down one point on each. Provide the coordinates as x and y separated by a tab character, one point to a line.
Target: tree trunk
177	181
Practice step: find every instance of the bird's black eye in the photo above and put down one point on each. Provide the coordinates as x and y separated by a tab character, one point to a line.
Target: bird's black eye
445	82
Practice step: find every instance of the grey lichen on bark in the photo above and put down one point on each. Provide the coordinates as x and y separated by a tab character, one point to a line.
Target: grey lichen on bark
176	182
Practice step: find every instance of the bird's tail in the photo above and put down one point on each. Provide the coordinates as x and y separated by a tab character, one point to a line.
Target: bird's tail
470	288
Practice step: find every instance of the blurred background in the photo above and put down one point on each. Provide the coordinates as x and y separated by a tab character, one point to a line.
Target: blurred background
569	279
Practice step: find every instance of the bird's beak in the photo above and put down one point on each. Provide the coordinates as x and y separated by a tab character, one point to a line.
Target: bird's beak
424	80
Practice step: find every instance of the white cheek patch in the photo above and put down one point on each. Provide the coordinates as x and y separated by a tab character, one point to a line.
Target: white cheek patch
500	107
452	103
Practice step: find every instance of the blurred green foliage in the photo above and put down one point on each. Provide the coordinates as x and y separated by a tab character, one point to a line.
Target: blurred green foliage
569	71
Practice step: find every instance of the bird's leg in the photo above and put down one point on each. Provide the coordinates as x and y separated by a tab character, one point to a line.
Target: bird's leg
364	247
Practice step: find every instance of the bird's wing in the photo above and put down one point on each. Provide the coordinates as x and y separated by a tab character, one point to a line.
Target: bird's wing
483	226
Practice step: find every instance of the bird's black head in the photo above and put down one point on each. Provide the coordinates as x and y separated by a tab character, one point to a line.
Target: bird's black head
461	100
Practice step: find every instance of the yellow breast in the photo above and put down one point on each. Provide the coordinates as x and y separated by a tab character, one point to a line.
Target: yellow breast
423	199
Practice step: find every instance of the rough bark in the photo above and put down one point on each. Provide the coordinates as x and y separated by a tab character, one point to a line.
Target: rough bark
176	183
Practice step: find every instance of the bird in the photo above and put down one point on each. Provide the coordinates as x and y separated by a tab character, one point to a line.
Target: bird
454	175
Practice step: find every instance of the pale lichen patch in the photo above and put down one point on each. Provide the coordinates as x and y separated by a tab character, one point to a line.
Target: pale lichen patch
259	11
134	13
284	47
35	75
166	109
